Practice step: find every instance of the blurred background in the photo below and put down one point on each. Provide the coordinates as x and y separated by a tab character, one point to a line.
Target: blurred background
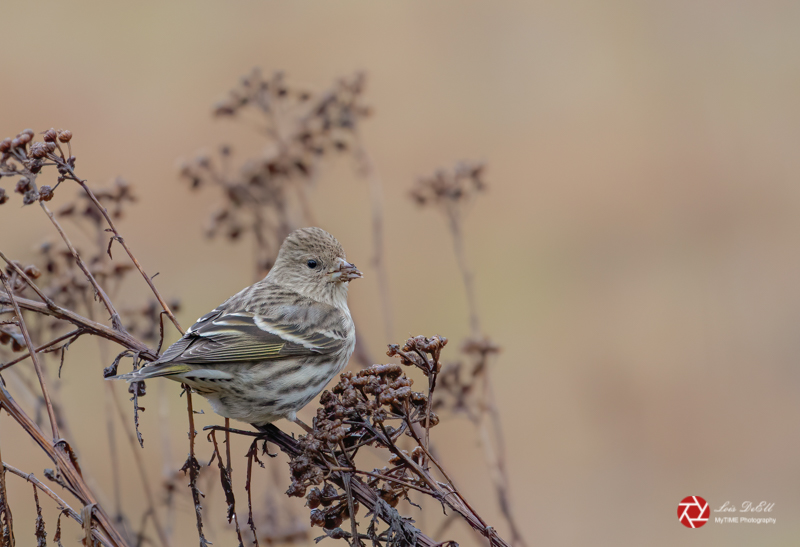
636	254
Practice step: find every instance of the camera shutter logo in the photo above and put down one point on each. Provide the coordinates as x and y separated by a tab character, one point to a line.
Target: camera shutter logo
693	511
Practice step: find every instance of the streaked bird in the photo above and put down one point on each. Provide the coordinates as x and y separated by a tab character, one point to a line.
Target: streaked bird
268	350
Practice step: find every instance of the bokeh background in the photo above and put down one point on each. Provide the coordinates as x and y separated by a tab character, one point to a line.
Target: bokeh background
636	256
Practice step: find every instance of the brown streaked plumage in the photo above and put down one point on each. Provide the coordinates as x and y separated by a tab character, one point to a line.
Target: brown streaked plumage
268	350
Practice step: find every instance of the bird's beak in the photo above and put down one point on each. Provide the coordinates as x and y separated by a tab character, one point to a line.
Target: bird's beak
344	271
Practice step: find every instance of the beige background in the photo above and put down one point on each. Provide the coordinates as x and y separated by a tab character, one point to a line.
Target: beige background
637	254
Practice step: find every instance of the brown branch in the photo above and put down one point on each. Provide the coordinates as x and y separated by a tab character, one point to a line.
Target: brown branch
368	497
252	454
92	327
193	467
66	463
225	479
34	356
7	524
63	506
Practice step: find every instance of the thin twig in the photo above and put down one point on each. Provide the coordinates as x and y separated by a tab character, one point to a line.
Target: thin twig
27	279
7	525
34	357
63	506
193	467
252	454
121	240
367	496
68	471
92	327
496	461
367	169
141	469
76	332
454	220
115	319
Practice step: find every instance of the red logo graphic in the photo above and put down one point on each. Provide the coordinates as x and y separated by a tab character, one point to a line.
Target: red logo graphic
693	511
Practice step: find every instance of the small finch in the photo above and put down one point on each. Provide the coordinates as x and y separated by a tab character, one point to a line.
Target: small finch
271	348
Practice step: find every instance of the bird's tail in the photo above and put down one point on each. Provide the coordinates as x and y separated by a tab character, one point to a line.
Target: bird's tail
151	371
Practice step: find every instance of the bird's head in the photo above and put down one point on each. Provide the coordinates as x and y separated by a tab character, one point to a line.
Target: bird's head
312	262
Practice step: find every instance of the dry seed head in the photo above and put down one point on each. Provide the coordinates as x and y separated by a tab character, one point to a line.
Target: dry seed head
32	271
30	197
50	135
45	193
65	135
38	150
23	185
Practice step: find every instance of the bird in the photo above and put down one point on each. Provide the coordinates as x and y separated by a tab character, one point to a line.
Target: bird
268	350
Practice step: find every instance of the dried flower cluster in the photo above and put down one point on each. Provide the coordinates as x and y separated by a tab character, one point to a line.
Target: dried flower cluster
264	195
448	187
114	198
23	157
374	407
460	380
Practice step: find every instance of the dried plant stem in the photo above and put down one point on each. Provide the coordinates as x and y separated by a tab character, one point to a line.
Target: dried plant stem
361	354
119	238
69	473
225	471
454	221
112	437
194	467
122	338
367	169
494	450
98	290
63	506
113	454
7	524
50	344
368	497
492	438
452	497
20	272
34	357
166	454
252	454
142	470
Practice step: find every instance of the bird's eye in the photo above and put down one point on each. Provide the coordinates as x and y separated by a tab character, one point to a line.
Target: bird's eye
311	264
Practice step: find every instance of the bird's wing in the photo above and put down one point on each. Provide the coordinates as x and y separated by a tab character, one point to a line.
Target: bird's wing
222	337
